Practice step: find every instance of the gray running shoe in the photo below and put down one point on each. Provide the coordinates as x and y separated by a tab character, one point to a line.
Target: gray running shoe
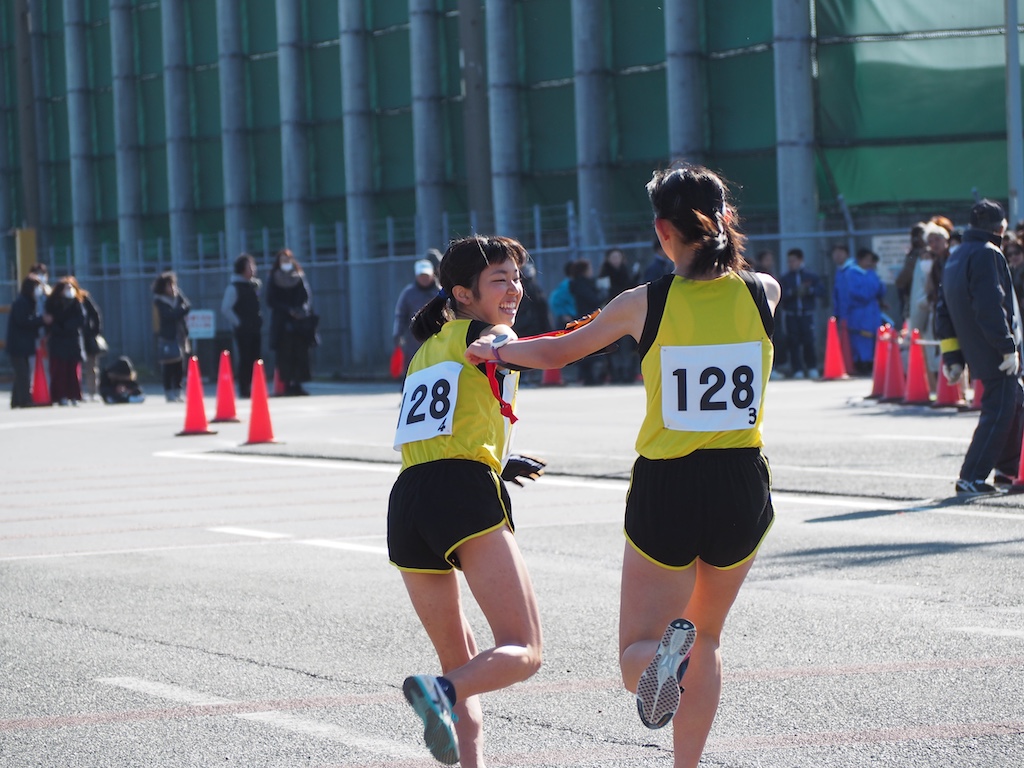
657	693
424	693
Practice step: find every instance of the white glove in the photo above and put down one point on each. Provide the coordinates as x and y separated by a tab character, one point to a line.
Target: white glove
1011	364
953	372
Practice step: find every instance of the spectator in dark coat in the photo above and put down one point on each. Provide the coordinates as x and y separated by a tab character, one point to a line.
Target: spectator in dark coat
619	275
241	307
67	350
801	291
290	301
172	306
23	326
978	323
585	292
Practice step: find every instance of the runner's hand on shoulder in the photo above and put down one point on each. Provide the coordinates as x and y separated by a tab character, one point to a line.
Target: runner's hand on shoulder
519	466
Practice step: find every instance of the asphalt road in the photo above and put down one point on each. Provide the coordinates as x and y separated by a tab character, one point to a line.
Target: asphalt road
194	601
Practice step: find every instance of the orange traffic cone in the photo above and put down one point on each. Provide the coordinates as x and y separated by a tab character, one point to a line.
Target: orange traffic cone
260	430
40	389
880	361
278	384
895	383
949	395
551	378
834	368
917	391
979	390
195	410
225	390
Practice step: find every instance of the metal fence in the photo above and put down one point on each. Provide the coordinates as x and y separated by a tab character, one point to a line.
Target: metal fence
121	284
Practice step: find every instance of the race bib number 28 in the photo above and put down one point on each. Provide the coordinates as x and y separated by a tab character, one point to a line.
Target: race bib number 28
711	388
428	403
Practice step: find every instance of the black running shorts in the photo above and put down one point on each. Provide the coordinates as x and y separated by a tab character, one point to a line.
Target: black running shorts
435	507
713	504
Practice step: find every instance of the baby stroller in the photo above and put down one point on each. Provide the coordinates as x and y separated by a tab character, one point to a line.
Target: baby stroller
119	383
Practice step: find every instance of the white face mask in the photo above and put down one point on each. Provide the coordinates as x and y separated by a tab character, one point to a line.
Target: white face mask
69	292
287	266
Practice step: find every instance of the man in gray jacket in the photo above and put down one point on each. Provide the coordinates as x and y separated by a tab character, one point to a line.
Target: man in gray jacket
412	298
977	321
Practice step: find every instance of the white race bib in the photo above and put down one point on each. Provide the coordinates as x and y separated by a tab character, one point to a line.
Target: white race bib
711	388
428	403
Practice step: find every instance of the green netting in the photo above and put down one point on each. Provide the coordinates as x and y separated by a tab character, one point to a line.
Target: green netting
901	174
870	17
550	135
741	98
911	89
637	31
545	40
640	117
731	24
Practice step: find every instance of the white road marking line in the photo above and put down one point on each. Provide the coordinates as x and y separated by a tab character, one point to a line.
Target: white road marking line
991	631
284	461
231	530
920	438
347	545
855	472
274	718
137	551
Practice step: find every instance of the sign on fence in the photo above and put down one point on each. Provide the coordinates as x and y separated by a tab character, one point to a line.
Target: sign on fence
201	324
891	250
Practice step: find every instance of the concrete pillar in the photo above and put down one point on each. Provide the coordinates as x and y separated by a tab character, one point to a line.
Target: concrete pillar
1014	129
476	138
126	131
26	117
8	106
43	131
234	146
358	131
427	122
794	127
83	178
684	83
177	111
592	117
503	90
294	149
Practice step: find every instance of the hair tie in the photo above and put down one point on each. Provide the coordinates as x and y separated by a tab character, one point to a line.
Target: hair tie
722	239
442	294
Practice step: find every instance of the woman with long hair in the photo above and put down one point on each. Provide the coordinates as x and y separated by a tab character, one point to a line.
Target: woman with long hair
173	346
699	502
66	345
290	299
449	508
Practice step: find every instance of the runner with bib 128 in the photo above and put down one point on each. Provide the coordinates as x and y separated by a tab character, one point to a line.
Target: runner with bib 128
449	507
699	502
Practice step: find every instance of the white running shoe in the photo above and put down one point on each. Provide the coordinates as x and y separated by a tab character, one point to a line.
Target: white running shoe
657	693
424	693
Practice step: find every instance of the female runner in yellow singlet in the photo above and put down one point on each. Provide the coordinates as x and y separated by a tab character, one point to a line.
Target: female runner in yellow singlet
699	502
449	507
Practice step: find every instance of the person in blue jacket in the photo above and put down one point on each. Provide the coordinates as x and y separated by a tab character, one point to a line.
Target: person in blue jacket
864	296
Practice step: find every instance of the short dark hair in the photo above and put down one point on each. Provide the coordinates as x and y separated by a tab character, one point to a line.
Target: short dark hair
798	252
241	262
987	215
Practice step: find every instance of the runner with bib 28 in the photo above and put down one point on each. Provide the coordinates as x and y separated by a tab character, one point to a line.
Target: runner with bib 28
449	507
699	501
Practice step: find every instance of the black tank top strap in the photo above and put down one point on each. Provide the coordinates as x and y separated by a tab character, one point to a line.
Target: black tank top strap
657	297
756	288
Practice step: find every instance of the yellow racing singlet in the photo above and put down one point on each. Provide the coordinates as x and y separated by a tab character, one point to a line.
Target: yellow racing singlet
706	359
448	408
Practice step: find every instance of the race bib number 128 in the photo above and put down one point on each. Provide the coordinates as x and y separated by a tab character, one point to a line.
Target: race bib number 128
711	388
428	403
